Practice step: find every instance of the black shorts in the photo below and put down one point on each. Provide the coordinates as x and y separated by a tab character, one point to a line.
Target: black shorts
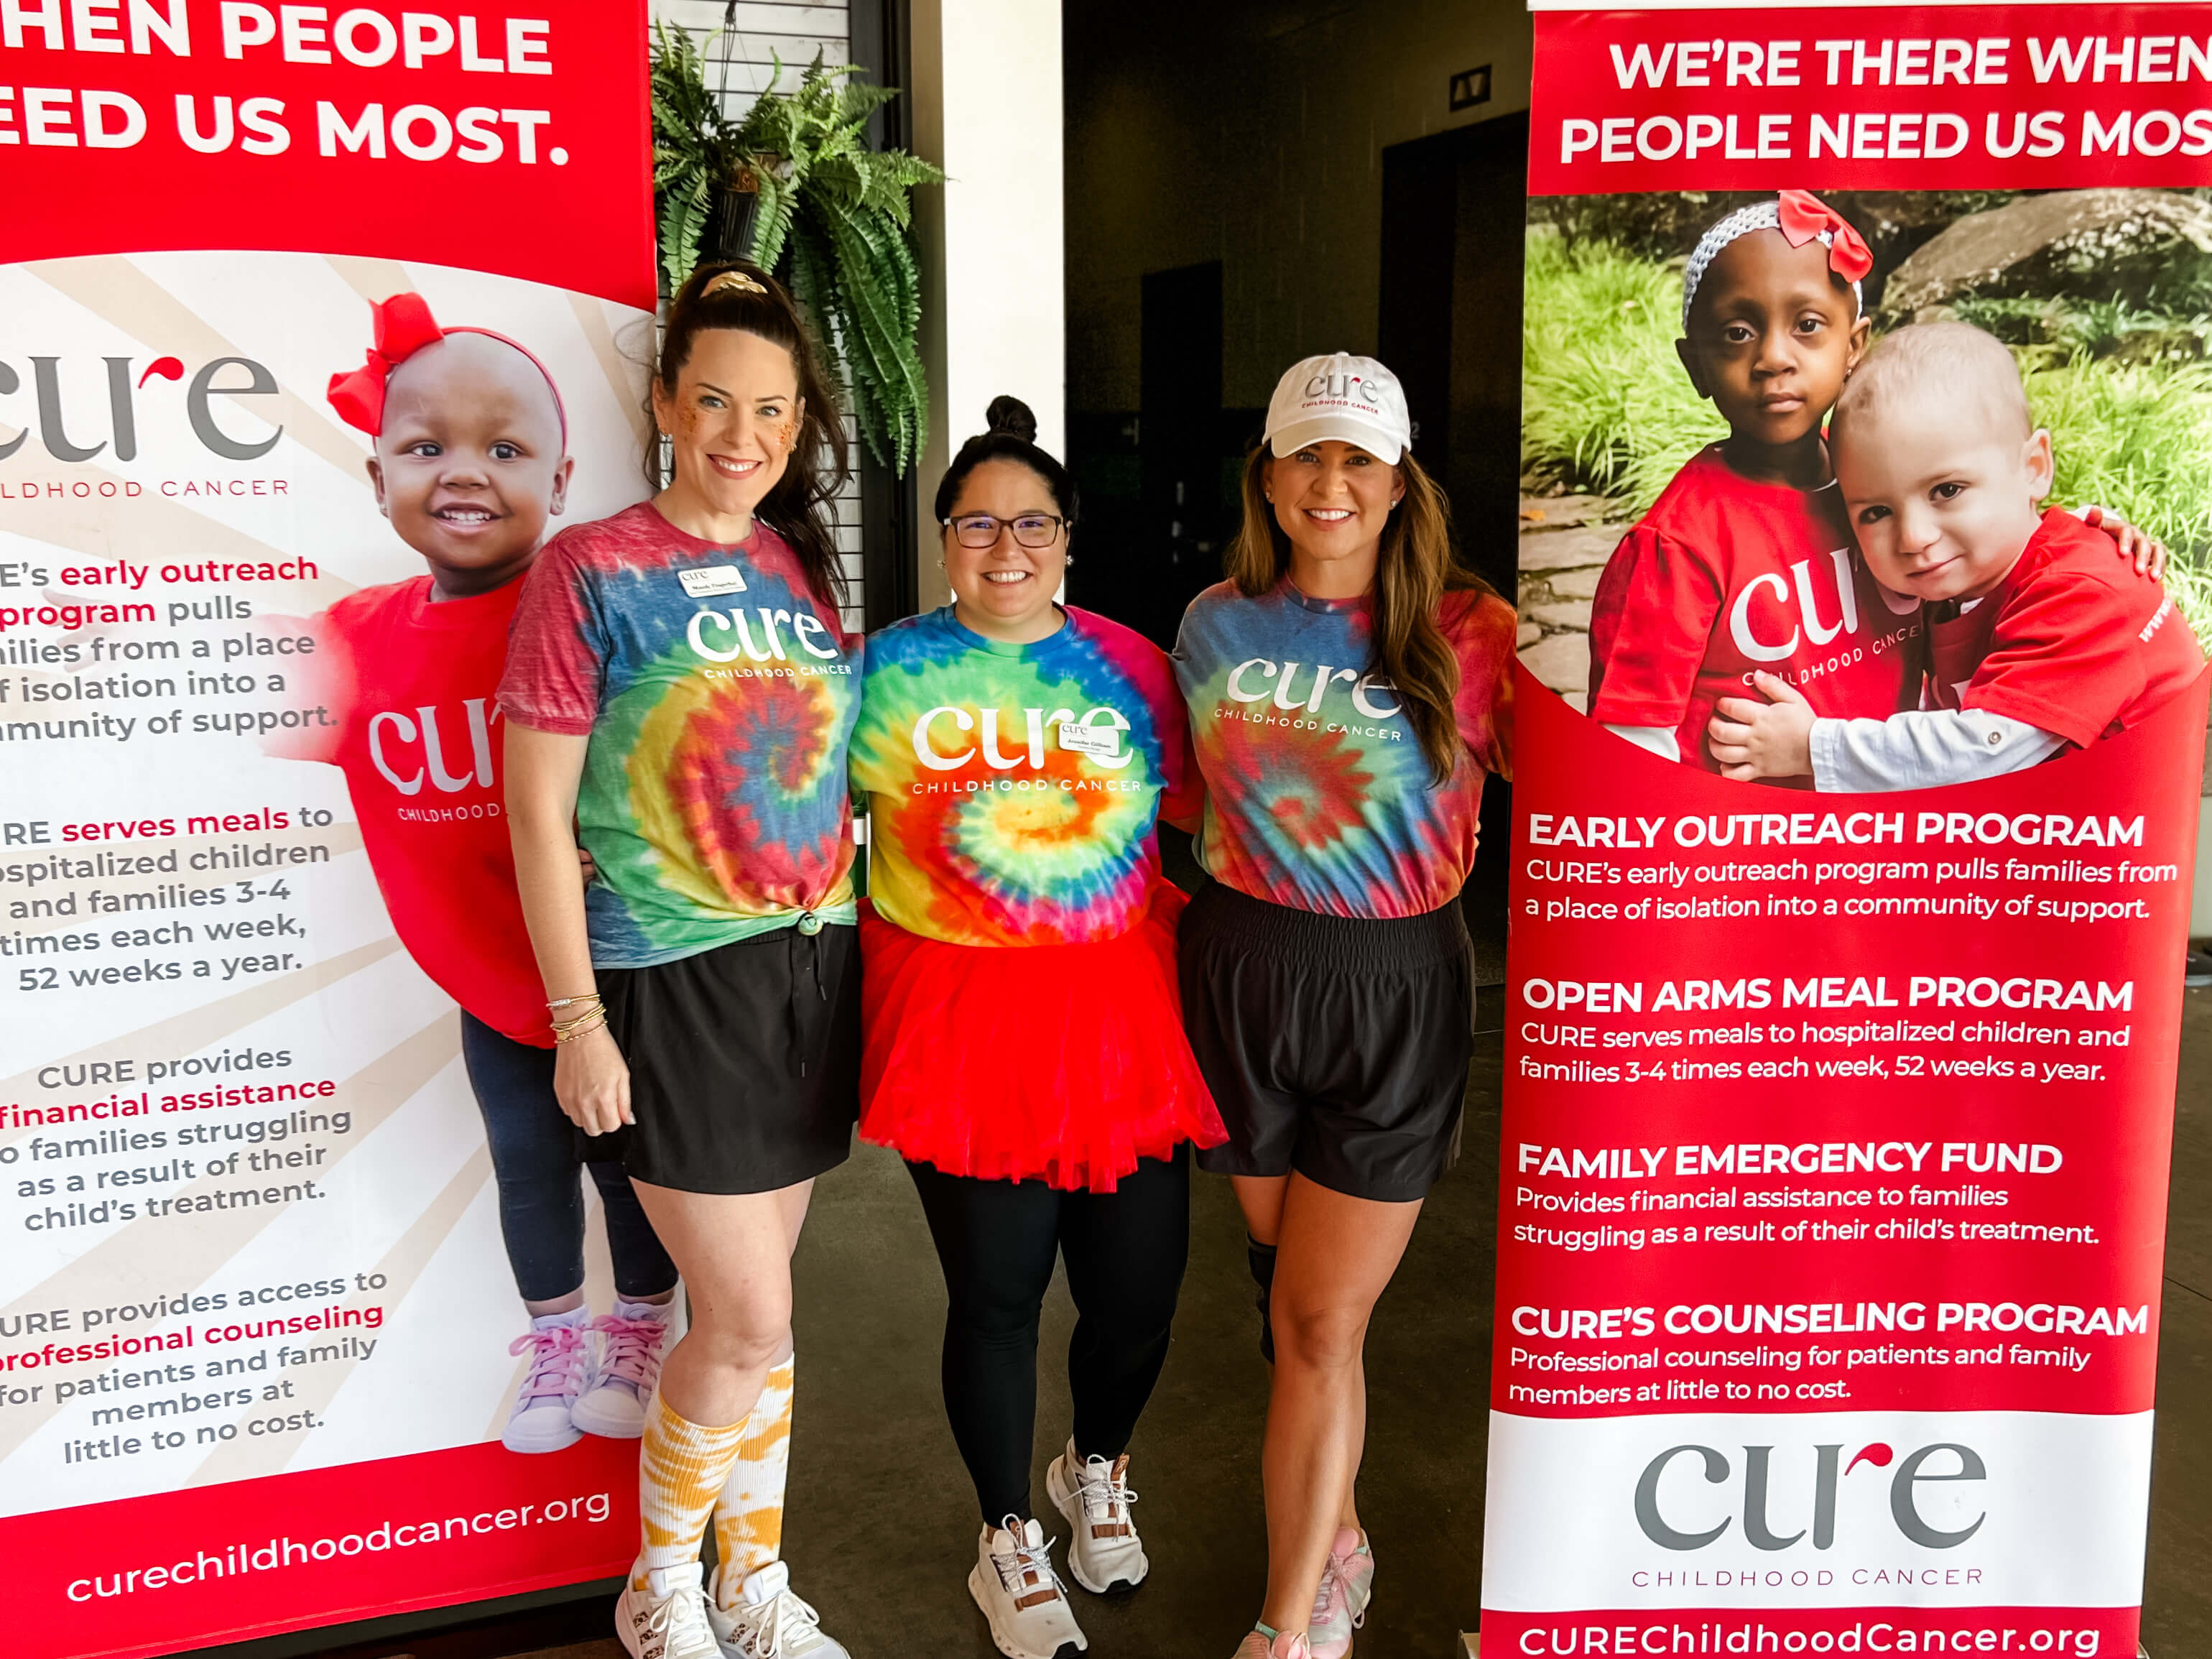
744	1062
1334	1047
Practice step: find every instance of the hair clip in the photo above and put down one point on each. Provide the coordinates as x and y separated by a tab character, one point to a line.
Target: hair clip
732	281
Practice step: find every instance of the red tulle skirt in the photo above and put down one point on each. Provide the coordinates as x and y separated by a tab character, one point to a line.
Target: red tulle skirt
1066	1062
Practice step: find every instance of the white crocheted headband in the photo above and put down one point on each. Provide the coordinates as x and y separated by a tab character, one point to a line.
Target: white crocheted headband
1761	216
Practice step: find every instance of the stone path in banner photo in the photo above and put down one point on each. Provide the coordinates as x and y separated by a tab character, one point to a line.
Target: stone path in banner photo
1565	542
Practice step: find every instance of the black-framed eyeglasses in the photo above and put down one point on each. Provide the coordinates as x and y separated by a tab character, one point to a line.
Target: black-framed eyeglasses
980	529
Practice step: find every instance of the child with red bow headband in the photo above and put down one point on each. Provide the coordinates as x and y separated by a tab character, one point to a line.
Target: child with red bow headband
1745	564
470	464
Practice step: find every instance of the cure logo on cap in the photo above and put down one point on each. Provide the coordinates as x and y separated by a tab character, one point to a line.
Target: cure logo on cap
1345	387
1343	398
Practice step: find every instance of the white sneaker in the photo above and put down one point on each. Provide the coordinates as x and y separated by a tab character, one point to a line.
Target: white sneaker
627	1368
769	1622
1103	1551
668	1621
1014	1584
540	1421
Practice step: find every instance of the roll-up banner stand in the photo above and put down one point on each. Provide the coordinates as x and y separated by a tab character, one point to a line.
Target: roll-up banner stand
1837	1120
254	1309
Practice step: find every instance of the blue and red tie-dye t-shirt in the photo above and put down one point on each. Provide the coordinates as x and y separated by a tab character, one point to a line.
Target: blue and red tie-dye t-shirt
718	696
1013	788
1317	793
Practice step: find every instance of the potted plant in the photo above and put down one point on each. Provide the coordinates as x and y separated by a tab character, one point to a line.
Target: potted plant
794	187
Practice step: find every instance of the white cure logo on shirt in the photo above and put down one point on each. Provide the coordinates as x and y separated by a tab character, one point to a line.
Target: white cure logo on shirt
1286	698
1805	604
1096	735
417	742
734	630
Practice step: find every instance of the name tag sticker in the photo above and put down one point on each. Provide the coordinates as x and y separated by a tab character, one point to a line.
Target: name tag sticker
1101	742
706	583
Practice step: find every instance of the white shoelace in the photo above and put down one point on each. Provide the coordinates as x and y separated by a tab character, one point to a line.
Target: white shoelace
786	1615
683	1615
1102	1491
1024	1560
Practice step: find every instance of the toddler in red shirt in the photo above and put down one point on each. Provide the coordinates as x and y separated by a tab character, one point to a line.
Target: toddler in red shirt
470	463
1744	564
2039	640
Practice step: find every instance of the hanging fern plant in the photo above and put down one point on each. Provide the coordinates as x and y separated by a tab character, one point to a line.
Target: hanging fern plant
794	187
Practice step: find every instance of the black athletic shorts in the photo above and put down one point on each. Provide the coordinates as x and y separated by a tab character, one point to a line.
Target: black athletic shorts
1334	1047
744	1062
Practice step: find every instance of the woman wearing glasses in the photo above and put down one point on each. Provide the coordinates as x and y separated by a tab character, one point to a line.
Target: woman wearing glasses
1024	1048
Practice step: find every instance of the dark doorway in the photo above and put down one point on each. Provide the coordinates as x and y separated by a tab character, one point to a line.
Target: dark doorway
1452	212
1166	540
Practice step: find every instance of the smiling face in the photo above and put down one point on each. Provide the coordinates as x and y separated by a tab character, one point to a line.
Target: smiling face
1333	500
1943	492
1772	333
469	465
732	420
1005	591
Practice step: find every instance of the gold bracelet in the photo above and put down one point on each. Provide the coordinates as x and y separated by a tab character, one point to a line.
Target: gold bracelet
570	1033
563	1027
568	1002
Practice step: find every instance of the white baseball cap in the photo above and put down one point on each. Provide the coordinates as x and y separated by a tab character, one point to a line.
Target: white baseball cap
1354	400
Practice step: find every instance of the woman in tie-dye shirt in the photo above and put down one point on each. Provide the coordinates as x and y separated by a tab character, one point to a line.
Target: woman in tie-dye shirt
1024	1052
680	689
1349	690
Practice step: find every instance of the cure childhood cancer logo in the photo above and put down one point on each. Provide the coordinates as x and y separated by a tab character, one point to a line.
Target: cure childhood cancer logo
63	395
1746	1503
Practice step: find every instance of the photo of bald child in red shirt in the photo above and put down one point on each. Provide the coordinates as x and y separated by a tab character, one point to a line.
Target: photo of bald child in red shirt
470	465
2039	640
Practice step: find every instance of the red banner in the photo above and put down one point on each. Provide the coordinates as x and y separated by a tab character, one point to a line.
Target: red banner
256	1557
1887	98
1854	828
1835	1143
259	1359
505	136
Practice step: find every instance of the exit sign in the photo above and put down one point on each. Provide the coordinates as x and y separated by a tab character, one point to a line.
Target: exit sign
1470	88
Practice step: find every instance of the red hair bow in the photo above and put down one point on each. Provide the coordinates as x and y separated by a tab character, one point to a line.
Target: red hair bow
1805	216
404	326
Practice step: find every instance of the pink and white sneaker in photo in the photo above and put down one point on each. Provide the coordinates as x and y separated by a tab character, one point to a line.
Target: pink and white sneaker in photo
540	1421
631	1342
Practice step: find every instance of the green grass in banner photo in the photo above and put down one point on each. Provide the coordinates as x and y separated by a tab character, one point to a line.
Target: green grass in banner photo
2112	329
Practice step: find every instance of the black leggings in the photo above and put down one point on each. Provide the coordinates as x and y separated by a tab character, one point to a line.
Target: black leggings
996	1240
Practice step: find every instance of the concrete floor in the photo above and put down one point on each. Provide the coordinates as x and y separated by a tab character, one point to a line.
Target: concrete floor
882	1527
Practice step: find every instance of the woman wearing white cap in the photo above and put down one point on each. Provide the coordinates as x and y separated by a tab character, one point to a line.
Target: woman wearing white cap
1349	688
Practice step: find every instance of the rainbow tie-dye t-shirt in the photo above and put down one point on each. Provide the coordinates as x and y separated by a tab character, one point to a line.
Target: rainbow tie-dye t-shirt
719	696
1013	789
1318	795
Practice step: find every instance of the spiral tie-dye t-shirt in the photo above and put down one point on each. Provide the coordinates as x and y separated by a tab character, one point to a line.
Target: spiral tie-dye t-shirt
1318	795
1013	789
718	696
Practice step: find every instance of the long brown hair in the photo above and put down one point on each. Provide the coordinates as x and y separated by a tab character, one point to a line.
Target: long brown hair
797	507
1415	570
